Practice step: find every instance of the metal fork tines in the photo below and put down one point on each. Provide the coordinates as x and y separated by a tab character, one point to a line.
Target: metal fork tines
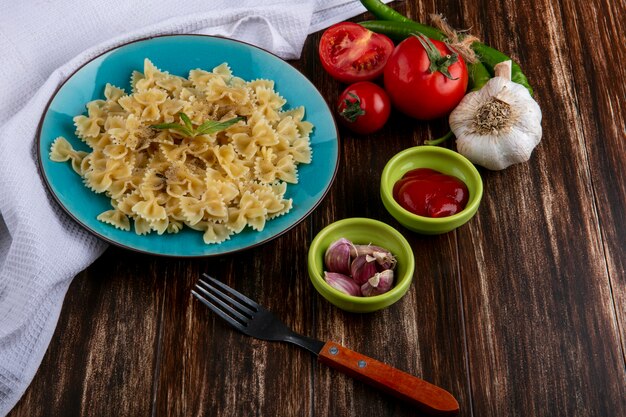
248	316
236	309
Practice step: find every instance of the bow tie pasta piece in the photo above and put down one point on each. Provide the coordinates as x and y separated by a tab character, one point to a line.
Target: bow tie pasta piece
228	161
113	93
151	75
120	188
249	212
90	126
152	181
268	167
174	153
304	128
286	169
287	130
130	105
62	151
174	226
160	226
221	88
125	204
150	100
260	134
198	146
274	204
115	218
213	232
149	209
169	109
201	79
101	171
269	103
115	151
216	233
135	77
212	152
223	71
142	226
177	180
210	206
301	151
172	84
227	190
133	133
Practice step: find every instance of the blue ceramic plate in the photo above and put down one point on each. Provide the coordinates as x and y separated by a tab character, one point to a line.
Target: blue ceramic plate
178	55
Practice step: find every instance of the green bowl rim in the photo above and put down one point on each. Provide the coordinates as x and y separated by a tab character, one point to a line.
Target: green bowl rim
472	205
400	287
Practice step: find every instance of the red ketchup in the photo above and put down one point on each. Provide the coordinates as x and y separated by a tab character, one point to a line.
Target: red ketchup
429	193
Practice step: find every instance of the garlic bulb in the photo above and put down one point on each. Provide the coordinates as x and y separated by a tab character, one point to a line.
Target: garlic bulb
498	125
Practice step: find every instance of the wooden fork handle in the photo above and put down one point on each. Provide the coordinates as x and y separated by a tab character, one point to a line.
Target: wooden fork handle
424	395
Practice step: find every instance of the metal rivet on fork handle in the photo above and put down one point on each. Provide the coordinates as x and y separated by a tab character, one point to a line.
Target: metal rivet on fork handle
362	364
333	350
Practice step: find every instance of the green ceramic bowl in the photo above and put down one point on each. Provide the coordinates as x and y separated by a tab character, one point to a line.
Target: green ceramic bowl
362	231
442	160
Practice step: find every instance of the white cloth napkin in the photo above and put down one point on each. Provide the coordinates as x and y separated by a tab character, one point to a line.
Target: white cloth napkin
42	42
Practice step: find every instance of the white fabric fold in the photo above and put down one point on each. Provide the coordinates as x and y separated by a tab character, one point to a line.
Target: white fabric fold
43	42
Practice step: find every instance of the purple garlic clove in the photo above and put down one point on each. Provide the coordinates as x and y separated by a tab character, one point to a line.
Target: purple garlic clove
342	283
384	258
378	284
337	256
363	267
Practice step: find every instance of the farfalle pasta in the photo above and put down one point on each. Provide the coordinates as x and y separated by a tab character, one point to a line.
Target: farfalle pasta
212	151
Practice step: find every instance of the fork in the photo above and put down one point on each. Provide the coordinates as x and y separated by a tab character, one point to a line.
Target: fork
251	319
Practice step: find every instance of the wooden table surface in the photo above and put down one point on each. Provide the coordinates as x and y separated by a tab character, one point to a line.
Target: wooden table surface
521	312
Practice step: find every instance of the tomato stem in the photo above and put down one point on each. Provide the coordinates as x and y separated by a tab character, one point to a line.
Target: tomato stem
438	62
353	109
440	140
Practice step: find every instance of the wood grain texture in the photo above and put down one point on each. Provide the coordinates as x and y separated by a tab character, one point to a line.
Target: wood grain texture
101	360
600	87
521	312
543	331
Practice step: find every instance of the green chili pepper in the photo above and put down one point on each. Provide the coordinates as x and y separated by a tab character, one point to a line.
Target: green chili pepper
384	12
399	31
490	57
478	75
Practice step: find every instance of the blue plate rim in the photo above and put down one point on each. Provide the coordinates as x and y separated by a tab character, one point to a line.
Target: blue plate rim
167	255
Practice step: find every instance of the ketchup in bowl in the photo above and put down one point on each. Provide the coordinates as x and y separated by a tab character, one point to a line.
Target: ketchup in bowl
430	193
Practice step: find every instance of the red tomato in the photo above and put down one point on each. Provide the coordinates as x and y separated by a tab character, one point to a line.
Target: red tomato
416	82
351	53
364	107
430	193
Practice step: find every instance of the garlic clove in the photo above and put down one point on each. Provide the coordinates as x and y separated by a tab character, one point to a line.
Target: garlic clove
378	284
363	267
384	258
337	256
342	283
